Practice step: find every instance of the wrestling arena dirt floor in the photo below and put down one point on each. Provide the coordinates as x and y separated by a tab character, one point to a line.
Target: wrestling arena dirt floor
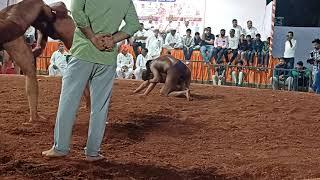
224	133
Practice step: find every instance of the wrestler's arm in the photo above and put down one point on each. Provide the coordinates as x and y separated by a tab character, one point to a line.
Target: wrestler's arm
156	74
150	88
142	87
42	40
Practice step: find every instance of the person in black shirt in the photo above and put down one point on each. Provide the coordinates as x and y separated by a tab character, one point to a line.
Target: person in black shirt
257	49
207	45
281	75
249	53
197	41
243	46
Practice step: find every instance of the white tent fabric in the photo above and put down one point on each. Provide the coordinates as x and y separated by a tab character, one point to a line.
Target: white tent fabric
219	15
5	3
216	13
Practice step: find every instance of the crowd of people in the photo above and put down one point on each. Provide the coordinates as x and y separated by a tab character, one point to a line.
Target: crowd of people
238	47
298	78
244	41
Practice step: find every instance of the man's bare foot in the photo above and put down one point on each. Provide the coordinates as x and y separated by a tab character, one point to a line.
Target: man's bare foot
52	154
85	108
94	158
35	119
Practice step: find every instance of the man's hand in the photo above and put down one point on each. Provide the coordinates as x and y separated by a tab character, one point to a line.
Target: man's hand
98	41
125	68
172	44
37	51
55	67
281	77
108	42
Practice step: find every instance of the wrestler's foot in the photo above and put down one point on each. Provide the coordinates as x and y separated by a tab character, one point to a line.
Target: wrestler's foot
35	119
52	154
94	158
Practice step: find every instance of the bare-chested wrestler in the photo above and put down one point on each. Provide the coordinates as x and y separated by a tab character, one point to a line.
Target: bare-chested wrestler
14	21
63	29
175	75
53	22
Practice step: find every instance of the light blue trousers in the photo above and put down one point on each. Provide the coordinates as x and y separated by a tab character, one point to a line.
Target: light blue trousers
78	74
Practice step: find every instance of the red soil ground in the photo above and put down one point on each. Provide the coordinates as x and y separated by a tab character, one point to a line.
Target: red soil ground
225	133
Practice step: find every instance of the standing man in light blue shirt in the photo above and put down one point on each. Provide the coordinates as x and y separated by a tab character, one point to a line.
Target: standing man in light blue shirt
94	61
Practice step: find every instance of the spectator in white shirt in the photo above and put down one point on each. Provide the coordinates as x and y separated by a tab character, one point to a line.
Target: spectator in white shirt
221	46
290	50
125	64
141	63
183	28
233	46
188	44
58	62
173	40
237	28
139	39
171	25
154	44
149	25
250	30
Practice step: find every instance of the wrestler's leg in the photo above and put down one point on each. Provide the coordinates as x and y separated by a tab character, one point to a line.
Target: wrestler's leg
86	96
169	88
17	69
21	53
4	62
187	84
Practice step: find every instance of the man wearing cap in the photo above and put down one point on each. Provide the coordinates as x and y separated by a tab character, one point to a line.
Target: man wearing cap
154	44
125	64
58	62
93	61
173	40
139	39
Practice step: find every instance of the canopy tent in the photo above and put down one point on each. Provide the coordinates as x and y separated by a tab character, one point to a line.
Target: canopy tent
215	13
201	13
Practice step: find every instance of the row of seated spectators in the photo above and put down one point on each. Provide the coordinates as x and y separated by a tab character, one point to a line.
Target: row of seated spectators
245	42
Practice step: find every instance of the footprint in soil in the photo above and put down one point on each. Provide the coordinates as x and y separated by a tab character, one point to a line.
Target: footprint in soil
5	159
137	127
138	171
207	97
106	170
